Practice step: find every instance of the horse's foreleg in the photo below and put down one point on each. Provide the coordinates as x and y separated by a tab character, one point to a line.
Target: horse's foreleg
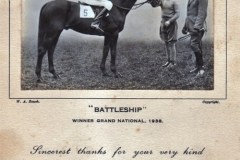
113	46
105	54
50	55
41	52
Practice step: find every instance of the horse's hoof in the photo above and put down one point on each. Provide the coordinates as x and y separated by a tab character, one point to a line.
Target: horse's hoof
105	74
118	75
56	76
40	80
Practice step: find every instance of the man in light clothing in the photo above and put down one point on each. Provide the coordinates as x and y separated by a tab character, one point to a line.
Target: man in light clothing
168	28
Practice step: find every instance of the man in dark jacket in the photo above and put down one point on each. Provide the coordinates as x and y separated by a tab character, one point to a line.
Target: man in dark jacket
195	25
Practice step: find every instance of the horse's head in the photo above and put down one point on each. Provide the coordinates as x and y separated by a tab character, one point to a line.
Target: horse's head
155	3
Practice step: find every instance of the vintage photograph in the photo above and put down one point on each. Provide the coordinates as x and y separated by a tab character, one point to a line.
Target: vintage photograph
119	79
117	45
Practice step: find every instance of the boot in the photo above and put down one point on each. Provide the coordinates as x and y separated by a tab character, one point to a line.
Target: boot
199	62
96	22
200	72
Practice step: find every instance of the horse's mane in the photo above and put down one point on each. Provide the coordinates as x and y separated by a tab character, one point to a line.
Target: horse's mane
118	3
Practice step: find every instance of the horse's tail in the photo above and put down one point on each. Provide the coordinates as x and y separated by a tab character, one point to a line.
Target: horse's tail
41	27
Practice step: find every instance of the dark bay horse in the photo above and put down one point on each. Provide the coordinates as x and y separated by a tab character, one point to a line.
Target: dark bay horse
57	15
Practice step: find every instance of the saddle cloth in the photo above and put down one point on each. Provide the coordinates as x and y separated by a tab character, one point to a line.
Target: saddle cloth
86	11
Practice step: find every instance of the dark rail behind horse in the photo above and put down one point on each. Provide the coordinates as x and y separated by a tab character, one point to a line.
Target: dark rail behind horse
55	16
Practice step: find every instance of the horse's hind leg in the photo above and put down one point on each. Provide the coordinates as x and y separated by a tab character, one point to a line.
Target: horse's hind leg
41	52
52	45
46	43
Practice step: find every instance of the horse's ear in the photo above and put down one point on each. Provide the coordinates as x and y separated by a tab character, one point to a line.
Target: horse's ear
155	3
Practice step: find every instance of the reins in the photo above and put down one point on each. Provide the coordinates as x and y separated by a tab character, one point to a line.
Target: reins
188	35
184	37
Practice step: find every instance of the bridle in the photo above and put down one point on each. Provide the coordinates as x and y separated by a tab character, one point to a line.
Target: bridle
136	6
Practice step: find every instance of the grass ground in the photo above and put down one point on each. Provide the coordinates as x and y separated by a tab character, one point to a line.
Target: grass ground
139	62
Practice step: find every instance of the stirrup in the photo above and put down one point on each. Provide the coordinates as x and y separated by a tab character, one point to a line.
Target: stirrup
96	26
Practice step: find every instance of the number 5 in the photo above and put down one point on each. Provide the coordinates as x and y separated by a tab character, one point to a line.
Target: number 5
85	12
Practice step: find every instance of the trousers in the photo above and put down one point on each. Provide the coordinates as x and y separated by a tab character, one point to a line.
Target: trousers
169	33
196	46
102	3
